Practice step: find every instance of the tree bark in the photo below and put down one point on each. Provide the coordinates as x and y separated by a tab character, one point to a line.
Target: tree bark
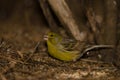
110	22
48	15
65	16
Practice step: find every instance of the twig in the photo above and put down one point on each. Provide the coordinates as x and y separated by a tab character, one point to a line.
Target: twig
1	42
2	76
34	51
10	59
92	61
12	65
36	47
96	47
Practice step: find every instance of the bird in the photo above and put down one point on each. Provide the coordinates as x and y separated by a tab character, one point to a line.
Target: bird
65	49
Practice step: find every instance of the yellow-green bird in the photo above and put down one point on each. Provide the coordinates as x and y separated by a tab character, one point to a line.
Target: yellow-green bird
64	49
57	49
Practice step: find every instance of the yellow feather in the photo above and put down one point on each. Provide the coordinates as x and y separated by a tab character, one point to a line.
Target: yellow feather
56	49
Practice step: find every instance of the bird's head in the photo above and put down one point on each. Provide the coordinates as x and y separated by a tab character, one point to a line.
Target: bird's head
53	37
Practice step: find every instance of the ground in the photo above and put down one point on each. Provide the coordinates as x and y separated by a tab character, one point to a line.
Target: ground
24	56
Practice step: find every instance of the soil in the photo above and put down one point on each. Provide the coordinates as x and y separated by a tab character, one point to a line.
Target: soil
24	56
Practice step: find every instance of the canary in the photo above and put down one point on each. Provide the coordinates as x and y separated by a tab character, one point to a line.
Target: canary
64	49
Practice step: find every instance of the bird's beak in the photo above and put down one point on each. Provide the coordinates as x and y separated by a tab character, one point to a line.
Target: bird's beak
46	37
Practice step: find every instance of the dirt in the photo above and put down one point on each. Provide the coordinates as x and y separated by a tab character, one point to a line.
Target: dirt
24	56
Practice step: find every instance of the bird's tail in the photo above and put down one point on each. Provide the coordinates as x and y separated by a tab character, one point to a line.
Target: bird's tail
89	48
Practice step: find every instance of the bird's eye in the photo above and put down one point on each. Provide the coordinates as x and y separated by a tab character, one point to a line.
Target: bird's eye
51	35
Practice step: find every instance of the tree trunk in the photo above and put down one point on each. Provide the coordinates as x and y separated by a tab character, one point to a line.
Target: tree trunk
65	16
110	22
48	15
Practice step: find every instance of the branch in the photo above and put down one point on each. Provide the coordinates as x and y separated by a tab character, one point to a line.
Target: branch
65	16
